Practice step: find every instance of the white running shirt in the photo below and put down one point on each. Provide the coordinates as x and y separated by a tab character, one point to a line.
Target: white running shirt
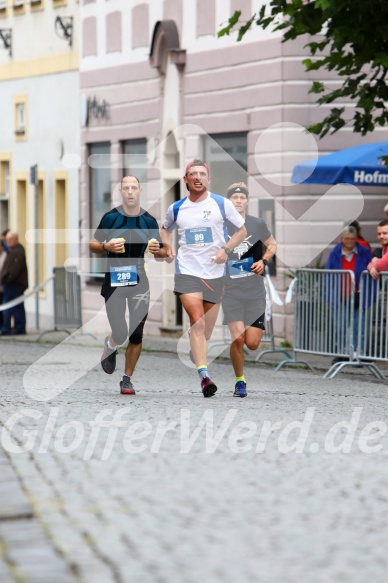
201	233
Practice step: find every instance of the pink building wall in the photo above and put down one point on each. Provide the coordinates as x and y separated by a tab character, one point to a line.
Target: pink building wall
231	87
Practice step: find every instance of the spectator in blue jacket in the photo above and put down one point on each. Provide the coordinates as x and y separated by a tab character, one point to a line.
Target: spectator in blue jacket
348	255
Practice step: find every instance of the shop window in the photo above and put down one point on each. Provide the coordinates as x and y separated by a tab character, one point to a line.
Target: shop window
99	193
60	190
3	8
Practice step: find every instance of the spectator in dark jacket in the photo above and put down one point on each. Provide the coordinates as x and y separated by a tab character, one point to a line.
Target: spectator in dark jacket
3	255
351	256
14	278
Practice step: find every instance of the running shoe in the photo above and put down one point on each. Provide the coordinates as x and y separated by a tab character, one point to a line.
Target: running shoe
126	387
208	387
240	390
108	358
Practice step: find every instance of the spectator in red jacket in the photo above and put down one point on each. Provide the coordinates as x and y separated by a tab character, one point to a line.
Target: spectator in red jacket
360	238
378	265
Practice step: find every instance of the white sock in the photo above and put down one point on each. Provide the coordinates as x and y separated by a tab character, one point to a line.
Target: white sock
111	347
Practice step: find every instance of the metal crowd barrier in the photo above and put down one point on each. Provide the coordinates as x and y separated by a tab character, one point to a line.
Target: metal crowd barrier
373	325
330	318
268	334
27	294
67	300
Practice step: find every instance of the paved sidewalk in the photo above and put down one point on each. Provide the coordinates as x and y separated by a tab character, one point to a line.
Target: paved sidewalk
26	553
321	364
169	487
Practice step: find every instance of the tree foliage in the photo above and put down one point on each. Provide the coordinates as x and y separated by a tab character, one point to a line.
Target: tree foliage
349	38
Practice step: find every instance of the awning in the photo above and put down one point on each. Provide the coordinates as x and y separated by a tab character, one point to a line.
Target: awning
361	166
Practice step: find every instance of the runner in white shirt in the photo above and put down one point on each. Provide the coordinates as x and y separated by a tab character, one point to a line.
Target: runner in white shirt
199	280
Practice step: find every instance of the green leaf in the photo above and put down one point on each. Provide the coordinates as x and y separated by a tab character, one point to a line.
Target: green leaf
323	4
233	20
317	87
245	28
349	39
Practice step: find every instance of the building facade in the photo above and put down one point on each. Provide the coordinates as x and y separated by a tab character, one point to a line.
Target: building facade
159	88
39	104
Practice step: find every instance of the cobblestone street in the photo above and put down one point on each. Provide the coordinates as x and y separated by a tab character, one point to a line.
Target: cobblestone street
169	487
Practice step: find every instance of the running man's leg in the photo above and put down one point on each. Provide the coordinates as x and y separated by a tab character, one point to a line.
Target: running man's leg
253	337
115	306
202	316
195	309
211	313
249	336
133	351
237	331
138	299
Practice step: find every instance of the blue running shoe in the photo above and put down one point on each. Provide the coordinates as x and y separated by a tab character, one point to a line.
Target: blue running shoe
240	390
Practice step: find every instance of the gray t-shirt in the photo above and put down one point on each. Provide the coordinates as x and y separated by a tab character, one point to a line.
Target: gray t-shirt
240	282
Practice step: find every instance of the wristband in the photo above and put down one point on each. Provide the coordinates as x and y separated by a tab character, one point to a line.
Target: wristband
103	246
265	261
227	250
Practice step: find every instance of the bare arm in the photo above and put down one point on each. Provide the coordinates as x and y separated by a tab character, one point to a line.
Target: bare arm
221	256
259	267
271	245
113	246
158	252
377	265
167	240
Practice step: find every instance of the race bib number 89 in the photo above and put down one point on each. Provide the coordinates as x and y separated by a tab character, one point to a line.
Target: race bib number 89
199	237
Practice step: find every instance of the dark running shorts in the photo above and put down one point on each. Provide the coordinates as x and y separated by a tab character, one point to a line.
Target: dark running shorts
248	311
212	289
117	299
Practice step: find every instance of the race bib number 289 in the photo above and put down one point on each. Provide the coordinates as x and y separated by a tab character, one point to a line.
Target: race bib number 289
123	275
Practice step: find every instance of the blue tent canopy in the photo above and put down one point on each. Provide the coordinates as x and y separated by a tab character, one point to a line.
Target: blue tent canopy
361	166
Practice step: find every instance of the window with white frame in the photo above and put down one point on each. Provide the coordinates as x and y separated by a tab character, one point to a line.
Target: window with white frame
20	118
4	179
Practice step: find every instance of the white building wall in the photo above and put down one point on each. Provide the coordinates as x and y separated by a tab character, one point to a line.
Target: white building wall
45	70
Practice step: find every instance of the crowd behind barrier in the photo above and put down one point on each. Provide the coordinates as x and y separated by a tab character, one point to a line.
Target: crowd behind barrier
332	318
